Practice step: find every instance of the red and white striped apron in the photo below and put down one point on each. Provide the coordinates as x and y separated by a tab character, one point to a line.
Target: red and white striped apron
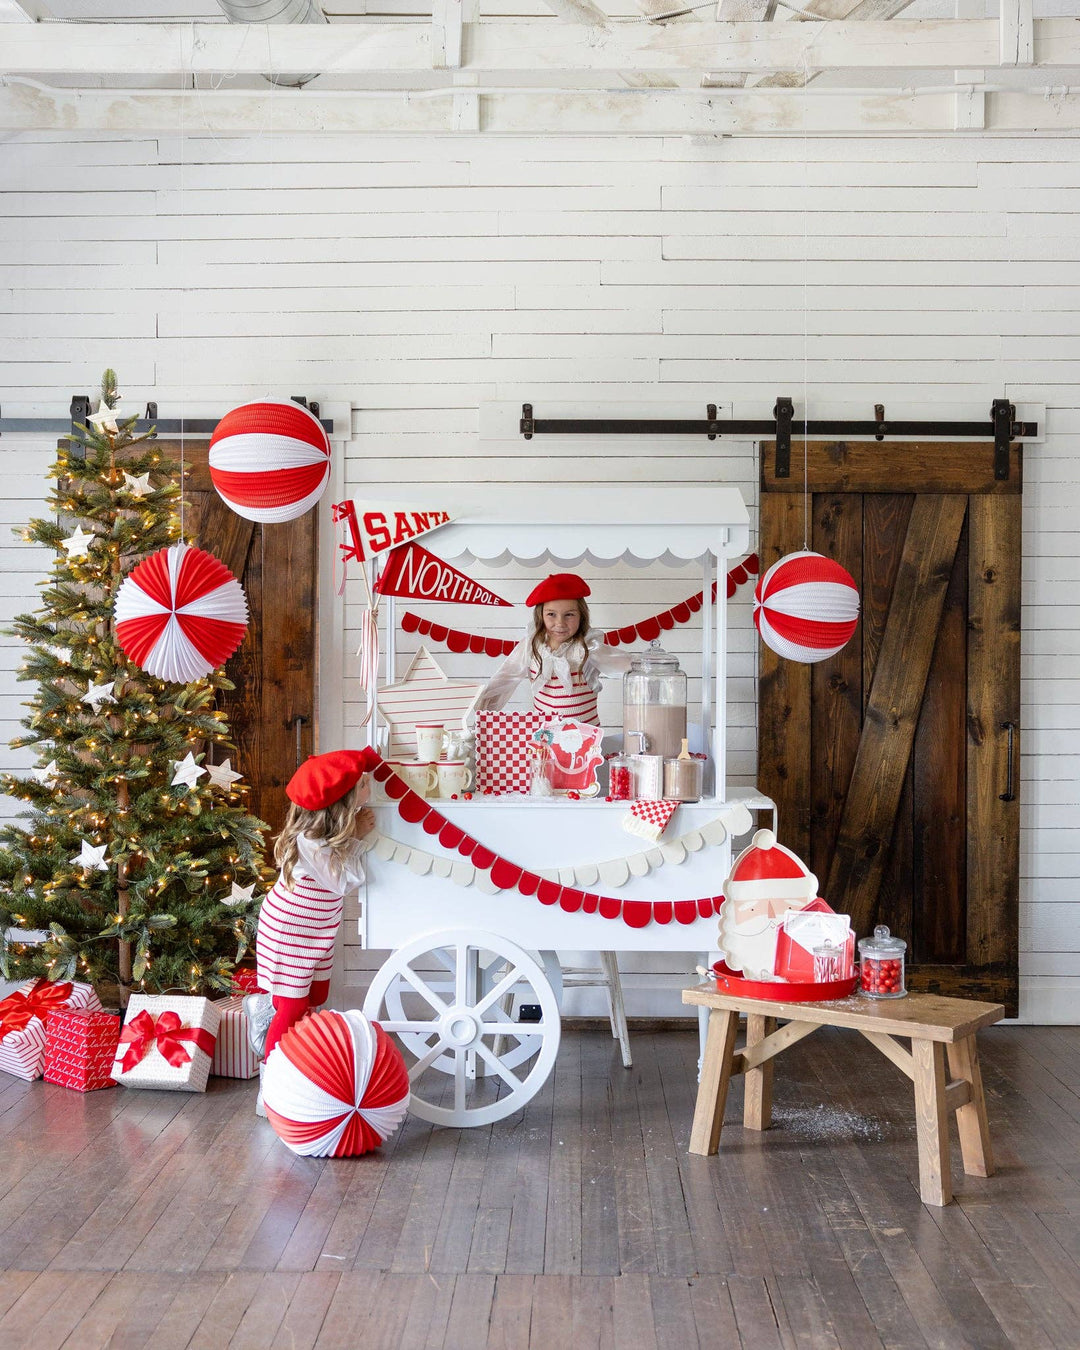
294	944
578	704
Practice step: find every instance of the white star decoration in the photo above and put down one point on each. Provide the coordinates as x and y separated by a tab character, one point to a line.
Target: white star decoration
222	775
46	774
78	544
97	694
424	694
105	418
240	895
187	772
137	487
90	858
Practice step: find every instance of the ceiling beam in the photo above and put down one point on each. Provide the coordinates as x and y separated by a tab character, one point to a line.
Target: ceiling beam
503	47
626	111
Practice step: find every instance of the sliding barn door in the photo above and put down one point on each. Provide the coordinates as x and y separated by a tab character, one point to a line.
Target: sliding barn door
271	711
895	765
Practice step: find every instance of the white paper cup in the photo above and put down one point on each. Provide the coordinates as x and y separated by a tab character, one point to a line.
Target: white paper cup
453	776
429	741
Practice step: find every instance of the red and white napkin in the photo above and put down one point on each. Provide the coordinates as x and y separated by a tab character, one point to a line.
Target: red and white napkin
648	818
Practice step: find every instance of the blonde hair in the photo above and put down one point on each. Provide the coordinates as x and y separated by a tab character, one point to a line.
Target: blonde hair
331	827
539	636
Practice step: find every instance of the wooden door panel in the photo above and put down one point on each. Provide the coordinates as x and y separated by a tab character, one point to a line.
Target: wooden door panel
911	828
274	670
836	687
892	710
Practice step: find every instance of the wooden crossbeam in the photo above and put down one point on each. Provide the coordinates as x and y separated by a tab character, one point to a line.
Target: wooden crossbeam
706	112
789	1034
526	46
893	1050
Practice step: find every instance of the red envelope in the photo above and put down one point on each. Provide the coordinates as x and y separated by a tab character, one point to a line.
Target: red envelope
794	962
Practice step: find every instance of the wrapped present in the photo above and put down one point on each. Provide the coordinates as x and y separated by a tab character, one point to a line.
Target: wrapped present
246	981
804	929
80	1045
233	1055
503	755
23	1018
167	1042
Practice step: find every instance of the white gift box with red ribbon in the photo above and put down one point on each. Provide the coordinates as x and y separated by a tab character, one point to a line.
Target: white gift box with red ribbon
23	1016
167	1042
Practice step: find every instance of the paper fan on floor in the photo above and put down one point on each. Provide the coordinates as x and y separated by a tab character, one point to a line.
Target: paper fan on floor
335	1086
180	614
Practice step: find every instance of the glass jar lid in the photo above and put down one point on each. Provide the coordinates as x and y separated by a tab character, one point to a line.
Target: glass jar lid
883	943
654	661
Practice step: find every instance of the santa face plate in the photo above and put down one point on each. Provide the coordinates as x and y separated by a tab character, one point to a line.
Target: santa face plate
574	755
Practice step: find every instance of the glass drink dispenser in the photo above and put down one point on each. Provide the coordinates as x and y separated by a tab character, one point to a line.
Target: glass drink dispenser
654	703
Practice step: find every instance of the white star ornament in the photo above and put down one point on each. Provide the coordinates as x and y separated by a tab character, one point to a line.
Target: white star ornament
91	858
222	775
78	544
187	772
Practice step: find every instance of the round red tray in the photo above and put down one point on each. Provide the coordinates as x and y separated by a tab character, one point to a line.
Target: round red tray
727	982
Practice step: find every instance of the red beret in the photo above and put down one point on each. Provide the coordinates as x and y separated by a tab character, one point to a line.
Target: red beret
559	586
324	779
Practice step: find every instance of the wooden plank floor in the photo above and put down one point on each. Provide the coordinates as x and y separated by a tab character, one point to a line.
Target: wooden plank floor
139	1218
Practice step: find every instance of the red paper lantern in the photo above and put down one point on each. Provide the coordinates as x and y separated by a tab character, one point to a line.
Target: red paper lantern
270	462
180	614
335	1086
806	607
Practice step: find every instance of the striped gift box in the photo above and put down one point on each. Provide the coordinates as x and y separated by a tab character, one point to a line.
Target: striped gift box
22	1052
79	1049
233	1056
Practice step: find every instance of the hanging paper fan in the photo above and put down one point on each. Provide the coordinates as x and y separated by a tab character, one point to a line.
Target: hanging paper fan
270	462
335	1086
180	614
806	607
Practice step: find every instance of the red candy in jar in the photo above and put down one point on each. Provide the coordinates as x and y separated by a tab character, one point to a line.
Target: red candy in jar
881	964
620	780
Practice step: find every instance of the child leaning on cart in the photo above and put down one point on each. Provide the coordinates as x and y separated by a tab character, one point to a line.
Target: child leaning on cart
299	920
563	662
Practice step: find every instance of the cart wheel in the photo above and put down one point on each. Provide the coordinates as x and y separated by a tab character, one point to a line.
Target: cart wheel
457	1027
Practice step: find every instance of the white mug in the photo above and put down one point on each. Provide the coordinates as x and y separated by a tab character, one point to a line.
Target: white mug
453	777
420	774
429	741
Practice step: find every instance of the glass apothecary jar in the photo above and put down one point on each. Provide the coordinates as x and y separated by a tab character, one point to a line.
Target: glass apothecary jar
654	703
881	964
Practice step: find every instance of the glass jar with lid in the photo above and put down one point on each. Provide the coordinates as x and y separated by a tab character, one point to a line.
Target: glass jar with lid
881	964
654	703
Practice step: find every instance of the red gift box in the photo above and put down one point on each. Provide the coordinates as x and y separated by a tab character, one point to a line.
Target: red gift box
79	1049
795	962
503	757
246	981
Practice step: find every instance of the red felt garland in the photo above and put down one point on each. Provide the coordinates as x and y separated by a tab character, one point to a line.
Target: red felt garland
645	631
506	875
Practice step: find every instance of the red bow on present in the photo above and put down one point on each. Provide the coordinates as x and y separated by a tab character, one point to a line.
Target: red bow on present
144	1031
24	1005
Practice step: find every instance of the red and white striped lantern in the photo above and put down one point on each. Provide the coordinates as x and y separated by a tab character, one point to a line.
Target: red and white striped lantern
270	462
180	614
335	1085
806	607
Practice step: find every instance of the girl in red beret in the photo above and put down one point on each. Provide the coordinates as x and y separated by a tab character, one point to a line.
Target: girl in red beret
563	662
299	919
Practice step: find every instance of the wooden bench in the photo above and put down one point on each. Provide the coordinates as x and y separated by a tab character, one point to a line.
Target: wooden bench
937	1027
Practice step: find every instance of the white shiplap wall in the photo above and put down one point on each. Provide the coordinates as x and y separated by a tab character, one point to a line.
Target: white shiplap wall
421	280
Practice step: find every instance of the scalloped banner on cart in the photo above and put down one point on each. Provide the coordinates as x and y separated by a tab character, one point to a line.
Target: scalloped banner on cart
480	866
645	630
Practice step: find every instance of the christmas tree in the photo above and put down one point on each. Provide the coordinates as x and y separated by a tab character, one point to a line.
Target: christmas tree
137	864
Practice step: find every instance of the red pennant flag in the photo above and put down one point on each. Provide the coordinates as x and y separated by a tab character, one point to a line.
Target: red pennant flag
379	528
414	573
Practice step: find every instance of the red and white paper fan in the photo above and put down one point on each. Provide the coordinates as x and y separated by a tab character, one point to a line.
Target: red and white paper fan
806	607
335	1086
180	614
270	462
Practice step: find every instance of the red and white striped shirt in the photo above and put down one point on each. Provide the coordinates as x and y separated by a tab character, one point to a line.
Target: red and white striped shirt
298	924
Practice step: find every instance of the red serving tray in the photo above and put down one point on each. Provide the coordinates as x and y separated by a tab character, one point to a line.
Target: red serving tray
727	982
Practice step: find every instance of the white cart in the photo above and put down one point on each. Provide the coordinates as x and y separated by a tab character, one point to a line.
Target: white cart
471	986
